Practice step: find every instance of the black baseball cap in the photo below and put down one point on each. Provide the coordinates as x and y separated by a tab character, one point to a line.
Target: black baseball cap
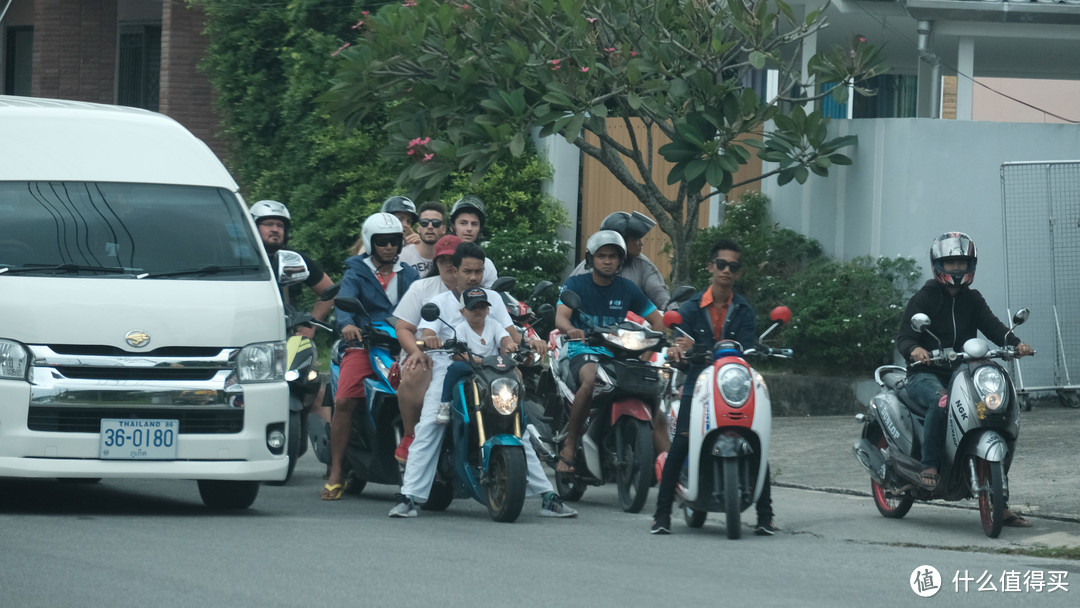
471	298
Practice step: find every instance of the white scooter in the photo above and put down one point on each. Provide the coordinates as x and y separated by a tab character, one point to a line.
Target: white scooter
730	423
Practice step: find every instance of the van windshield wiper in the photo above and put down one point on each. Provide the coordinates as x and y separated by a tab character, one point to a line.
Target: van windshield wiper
209	269
69	268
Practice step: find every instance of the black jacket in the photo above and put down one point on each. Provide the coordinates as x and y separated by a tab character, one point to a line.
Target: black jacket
952	319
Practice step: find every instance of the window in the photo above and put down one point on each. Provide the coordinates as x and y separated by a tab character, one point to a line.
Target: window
19	57
139	66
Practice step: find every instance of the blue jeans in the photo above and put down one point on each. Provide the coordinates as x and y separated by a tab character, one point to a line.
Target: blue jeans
927	389
454	374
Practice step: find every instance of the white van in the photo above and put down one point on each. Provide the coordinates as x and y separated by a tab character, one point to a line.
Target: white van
141	330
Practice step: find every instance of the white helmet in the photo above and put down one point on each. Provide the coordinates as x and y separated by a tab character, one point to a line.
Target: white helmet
381	223
267	209
601	238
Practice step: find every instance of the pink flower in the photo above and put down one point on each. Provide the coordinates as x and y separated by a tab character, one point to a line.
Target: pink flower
555	61
465	6
365	13
556	67
409	3
428	157
341	48
358	24
411	152
609	50
584	69
591	19
633	53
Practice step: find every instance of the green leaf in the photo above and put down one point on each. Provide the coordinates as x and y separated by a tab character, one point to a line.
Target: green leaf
801	174
517	144
633	100
714	174
573	128
694	169
839	159
757	58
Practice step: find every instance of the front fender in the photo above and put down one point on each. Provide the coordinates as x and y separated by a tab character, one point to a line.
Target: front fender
499	440
730	445
990	446
630	407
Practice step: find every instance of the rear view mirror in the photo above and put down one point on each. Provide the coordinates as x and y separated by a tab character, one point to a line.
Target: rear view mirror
672	318
570	299
350	305
429	312
503	284
291	267
920	322
1021	316
781	314
681	293
540	288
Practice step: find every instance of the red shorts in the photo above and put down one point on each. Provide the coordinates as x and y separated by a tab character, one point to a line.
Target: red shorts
355	366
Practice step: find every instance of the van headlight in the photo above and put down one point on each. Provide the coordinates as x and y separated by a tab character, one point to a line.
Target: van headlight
990	385
14	360
261	362
504	396
733	380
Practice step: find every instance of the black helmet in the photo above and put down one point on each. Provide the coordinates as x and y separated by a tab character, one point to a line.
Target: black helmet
631	225
953	246
401	204
468	203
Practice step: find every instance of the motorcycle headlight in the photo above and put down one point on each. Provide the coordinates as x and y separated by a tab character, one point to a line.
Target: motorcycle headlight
990	384
632	339
733	380
504	396
261	362
381	366
14	360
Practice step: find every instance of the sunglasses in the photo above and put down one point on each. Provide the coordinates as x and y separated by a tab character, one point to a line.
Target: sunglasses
433	223
383	240
722	264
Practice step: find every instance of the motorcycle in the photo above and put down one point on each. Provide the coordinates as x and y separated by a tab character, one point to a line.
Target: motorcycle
617	444
377	428
730	424
982	428
482	454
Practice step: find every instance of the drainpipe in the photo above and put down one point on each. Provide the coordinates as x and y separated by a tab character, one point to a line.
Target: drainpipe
931	58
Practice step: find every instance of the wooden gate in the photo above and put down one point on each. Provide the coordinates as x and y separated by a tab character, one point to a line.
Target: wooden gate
602	194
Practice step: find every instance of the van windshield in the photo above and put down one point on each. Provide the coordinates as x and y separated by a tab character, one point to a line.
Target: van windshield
139	230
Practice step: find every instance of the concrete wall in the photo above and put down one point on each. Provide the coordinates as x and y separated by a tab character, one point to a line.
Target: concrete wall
914	178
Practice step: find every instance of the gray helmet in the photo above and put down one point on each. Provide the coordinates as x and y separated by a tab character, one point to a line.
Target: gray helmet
470	204
600	239
631	225
953	246
400	204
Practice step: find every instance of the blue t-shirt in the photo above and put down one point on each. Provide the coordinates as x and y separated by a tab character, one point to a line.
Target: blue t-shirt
603	305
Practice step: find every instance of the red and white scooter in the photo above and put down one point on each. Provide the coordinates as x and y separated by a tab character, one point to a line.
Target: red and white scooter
730	424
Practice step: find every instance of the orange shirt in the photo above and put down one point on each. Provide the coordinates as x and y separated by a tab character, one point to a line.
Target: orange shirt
717	312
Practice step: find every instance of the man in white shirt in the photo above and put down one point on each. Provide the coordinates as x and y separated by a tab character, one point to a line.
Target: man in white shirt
419	474
467	222
431	226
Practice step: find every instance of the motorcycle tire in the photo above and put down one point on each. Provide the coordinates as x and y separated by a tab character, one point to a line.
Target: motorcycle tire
506	494
568	487
893	507
991	479
693	517
440	497
634	462
732	499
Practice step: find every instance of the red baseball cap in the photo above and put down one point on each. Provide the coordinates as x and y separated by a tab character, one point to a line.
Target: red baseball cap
447	245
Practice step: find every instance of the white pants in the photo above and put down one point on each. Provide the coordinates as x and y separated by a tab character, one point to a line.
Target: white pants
424	451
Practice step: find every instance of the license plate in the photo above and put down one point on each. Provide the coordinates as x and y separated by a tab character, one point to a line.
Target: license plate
138	439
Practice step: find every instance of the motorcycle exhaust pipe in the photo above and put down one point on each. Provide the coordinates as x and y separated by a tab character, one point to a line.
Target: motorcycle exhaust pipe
870	457
543	450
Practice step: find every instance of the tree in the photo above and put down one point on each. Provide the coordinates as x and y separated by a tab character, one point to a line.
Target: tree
467	82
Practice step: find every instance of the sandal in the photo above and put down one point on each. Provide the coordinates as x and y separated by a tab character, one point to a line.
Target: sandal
929	480
333	492
1016	521
569	462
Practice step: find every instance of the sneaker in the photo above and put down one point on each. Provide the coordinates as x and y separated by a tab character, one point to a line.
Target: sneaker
404	508
401	454
661	524
553	506
444	413
766	528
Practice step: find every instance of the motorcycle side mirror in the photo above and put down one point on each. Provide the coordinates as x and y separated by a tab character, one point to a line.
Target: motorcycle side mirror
681	293
781	314
291	267
350	305
672	318
570	299
429	312
540	288
330	292
502	284
920	322
1021	316
546	313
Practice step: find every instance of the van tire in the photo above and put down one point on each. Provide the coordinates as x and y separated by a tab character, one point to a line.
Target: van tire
227	495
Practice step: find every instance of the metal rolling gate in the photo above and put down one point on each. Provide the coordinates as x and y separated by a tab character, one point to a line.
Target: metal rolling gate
1041	213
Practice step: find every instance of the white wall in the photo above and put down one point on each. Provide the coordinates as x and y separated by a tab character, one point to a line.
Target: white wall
914	178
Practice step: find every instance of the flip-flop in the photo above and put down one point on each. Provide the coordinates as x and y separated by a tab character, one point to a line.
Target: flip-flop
929	480
569	464
1016	522
333	492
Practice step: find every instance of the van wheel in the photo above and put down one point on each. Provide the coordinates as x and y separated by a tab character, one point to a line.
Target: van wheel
227	495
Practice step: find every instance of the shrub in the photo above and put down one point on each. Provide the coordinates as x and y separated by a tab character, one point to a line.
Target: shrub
845	314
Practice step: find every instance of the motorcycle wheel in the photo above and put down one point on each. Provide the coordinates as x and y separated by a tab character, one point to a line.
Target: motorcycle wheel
693	517
506	494
732	499
893	507
991	480
440	497
634	462
292	446
569	487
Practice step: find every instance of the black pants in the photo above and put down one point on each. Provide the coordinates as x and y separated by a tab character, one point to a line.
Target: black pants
676	457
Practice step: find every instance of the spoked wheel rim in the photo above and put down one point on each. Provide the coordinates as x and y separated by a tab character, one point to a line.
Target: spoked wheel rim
990	478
